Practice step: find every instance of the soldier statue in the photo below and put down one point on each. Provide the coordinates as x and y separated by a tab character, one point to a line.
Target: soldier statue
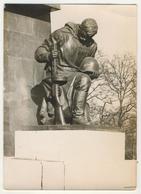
70	66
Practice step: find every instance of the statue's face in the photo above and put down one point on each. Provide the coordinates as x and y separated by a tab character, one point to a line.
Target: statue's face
85	35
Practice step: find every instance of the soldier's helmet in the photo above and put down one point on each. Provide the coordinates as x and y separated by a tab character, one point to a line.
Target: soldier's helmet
90	66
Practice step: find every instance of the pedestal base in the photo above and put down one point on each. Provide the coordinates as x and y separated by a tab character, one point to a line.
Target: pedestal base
70	159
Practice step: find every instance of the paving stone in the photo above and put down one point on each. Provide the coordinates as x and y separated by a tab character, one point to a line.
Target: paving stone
120	174
53	175
21	174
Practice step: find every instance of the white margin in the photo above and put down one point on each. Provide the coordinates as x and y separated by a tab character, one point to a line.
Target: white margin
138	2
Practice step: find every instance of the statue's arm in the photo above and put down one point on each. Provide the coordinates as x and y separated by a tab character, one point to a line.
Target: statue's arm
42	53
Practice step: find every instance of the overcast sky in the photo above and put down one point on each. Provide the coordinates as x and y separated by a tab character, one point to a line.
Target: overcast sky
117	25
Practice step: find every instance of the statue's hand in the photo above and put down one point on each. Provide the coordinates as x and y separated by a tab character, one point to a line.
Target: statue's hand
54	54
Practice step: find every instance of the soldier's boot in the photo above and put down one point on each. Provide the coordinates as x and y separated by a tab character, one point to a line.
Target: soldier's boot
43	112
79	101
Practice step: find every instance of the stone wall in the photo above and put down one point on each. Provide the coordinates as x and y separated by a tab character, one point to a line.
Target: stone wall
22	35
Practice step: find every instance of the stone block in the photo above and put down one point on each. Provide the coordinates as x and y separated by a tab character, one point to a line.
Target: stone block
19	75
30	45
9	138
120	174
12	72
38	11
9	142
39	72
22	174
53	175
25	113
27	70
20	45
70	145
6	116
41	29
18	23
5	40
9	150
15	45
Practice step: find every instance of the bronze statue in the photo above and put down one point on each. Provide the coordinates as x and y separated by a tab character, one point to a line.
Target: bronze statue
70	66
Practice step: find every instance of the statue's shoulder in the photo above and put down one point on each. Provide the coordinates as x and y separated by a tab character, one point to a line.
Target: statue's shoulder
70	29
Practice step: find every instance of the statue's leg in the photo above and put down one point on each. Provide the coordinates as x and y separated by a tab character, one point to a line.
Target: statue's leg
46	110
43	112
87	112
81	88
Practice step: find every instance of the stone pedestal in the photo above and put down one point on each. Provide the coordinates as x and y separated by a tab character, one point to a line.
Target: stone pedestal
70	145
73	159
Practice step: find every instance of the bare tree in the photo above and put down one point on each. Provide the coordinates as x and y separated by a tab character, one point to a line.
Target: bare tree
112	98
100	95
120	77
